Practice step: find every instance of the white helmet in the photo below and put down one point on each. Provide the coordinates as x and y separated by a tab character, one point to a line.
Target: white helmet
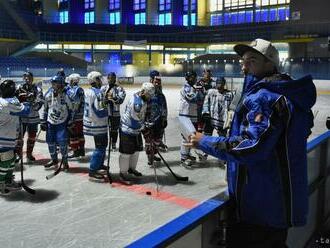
75	77
148	88
93	75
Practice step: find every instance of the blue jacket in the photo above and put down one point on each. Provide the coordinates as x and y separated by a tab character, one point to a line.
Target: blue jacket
266	151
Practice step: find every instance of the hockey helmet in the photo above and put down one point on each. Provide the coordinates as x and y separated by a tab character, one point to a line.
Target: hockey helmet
7	89
93	76
148	88
58	80
154	74
190	74
75	78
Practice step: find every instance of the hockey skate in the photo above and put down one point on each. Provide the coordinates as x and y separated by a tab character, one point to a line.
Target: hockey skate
66	166
3	189
51	163
13	185
124	178
95	176
134	172
30	158
74	154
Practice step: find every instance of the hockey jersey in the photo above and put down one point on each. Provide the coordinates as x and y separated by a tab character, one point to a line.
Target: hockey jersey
133	118
216	105
10	110
57	109
76	95
189	97
95	113
118	96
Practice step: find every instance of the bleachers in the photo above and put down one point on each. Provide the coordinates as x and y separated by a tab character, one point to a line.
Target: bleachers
9	28
41	67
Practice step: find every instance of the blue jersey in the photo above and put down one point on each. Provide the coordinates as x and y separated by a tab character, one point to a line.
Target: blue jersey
77	97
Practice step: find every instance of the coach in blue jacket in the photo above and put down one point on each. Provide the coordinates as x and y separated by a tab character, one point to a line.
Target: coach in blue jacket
266	150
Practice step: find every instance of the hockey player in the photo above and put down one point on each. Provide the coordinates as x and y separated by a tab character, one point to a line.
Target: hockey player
96	124
76	94
188	108
215	109
116	96
57	117
156	117
10	110
29	92
132	124
216	105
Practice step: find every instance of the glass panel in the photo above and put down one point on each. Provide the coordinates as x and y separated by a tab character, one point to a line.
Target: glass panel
193	19
143	18
161	19
185	20
168	18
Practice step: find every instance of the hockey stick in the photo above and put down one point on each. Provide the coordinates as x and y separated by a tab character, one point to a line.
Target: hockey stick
152	163
109	151
50	176
177	177
24	186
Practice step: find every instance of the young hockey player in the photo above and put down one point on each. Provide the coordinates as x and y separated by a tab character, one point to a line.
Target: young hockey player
96	124
57	117
29	92
215	109
188	108
116	96
156	117
132	124
76	94
10	110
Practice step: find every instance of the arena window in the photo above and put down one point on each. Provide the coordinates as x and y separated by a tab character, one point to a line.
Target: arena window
114	17
140	18
192	19
89	17
165	19
64	17
114	4
139	5
89	4
165	5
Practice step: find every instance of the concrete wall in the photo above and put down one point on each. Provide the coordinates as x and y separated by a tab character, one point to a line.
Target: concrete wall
101	12
152	12
50	10
311	11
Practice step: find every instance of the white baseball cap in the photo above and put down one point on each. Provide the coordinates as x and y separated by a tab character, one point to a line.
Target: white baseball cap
262	47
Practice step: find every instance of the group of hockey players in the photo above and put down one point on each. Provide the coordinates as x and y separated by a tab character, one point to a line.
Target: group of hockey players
67	112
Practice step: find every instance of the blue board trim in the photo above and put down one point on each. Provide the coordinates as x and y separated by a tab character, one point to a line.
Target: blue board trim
170	230
317	141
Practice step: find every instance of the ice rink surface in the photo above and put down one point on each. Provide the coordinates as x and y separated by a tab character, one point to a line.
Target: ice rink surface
70	211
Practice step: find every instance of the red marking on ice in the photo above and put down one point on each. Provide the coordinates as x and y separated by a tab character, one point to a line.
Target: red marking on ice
141	190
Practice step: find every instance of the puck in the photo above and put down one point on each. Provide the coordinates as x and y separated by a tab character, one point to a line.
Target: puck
148	193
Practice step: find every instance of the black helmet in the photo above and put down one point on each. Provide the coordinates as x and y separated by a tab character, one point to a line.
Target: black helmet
7	89
112	74
154	74
221	81
58	79
190	74
61	73
28	74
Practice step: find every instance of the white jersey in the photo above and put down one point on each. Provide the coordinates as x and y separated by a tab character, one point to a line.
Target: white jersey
133	118
189	97
95	113
216	105
118	96
57	109
10	110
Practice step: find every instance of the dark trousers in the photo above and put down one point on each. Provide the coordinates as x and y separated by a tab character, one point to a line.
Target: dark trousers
245	235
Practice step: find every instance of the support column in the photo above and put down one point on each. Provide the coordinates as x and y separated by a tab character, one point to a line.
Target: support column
76	11
152	12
